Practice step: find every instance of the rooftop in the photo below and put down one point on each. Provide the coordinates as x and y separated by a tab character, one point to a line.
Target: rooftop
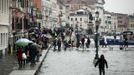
86	2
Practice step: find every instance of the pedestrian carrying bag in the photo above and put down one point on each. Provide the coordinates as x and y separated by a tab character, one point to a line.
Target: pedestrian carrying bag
24	56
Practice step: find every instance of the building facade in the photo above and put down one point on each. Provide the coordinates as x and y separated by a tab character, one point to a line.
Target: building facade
108	27
50	13
97	5
114	23
79	19
123	22
4	24
131	23
63	14
117	22
38	6
54	14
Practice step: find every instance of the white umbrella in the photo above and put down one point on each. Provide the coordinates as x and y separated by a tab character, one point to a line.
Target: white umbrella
23	42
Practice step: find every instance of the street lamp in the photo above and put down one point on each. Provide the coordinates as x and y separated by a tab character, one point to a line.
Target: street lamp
97	14
97	23
77	27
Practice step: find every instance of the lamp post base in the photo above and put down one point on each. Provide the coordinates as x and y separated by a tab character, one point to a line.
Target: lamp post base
95	59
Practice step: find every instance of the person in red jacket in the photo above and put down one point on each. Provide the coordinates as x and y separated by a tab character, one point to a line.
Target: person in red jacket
19	55
101	64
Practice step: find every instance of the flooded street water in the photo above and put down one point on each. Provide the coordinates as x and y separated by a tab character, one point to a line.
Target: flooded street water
75	62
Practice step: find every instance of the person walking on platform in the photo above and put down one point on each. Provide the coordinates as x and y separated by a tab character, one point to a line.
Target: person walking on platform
88	42
101	64
19	55
59	44
55	43
82	42
32	53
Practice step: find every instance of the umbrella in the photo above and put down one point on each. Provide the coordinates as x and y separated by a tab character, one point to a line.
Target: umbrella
127	32
47	35
23	42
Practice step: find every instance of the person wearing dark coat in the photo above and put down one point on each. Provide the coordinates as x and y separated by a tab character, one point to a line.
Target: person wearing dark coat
88	42
45	41
59	44
55	44
32	53
78	40
78	43
62	36
126	42
65	45
82	42
101	64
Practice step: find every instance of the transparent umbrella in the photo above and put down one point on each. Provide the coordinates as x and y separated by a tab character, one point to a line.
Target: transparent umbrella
23	42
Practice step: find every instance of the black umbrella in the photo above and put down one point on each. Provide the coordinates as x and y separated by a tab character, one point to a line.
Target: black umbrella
127	32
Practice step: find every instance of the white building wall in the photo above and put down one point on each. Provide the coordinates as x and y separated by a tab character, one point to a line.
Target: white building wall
115	23
53	14
45	11
85	18
81	24
4	24
131	23
62	9
50	9
64	17
108	26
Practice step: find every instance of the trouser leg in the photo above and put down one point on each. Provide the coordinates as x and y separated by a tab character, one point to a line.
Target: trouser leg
103	70
100	70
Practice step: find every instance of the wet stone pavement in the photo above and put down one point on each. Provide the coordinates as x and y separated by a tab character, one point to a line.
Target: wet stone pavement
7	64
78	62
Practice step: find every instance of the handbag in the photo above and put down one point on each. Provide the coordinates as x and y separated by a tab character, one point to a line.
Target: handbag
24	56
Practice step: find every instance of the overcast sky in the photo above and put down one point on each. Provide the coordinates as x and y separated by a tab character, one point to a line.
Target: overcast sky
120	6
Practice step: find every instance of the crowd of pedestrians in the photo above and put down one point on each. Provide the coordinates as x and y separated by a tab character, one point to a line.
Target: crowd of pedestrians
59	40
67	42
32	52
